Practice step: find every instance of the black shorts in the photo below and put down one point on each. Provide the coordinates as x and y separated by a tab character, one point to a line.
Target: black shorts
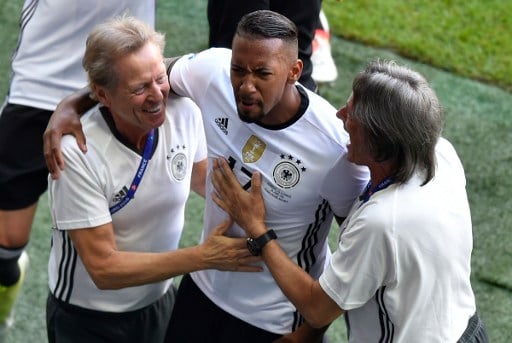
68	323
475	331
23	172
196	319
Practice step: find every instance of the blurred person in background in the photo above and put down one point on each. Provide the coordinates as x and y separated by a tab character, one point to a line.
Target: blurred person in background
46	66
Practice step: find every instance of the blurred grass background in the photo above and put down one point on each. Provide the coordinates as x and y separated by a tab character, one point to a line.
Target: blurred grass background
471	38
453	43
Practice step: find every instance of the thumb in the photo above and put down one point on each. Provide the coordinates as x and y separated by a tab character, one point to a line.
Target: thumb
223	227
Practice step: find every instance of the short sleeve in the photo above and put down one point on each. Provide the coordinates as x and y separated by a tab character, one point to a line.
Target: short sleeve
77	198
344	182
363	261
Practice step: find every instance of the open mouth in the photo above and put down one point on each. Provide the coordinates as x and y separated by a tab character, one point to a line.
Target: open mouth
153	110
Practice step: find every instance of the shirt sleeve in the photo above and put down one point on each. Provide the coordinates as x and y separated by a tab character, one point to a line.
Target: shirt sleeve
77	198
191	75
344	182
363	261
201	151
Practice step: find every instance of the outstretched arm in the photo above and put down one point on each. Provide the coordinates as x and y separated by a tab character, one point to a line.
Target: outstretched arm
111	268
65	120
248	210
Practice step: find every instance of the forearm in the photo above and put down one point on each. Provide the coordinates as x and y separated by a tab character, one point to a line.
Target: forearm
301	289
305	333
79	101
127	269
169	62
293	280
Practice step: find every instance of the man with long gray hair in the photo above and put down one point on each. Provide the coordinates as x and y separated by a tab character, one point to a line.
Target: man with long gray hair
401	272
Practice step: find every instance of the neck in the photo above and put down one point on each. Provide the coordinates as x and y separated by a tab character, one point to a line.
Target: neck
379	172
286	109
134	136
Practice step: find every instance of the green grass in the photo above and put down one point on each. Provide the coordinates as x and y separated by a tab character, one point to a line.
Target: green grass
469	37
478	122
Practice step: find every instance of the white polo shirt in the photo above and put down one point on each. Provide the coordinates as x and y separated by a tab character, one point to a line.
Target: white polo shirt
403	263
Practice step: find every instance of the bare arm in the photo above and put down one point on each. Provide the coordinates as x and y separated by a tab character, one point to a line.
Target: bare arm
111	268
169	62
248	210
305	333
65	120
198	182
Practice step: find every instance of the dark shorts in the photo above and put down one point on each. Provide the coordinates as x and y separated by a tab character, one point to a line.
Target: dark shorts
23	172
475	331
69	323
196	319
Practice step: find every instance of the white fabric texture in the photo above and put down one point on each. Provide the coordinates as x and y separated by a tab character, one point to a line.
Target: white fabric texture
151	222
298	186
402	266
47	62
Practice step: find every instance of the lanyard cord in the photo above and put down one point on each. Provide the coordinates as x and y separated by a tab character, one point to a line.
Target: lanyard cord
138	175
367	193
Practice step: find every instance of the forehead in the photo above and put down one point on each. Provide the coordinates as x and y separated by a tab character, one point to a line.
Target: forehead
146	60
255	50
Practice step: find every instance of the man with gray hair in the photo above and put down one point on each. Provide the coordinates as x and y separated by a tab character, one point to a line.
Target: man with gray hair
118	211
401	271
256	116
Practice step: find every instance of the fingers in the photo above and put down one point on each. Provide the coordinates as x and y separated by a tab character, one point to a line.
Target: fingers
248	264
256	183
248	269
50	162
222	227
52	155
80	139
221	183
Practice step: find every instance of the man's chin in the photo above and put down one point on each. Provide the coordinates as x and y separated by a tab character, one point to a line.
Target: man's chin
246	118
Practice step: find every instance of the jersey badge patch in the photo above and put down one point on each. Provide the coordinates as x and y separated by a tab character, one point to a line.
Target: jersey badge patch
178	161
253	149
287	172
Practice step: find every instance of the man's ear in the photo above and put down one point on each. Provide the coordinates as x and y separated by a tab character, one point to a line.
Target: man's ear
102	95
295	71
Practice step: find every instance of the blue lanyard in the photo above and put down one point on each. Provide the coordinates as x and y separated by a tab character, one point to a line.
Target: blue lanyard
138	176
367	193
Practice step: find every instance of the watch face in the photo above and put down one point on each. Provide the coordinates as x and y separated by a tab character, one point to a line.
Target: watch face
253	247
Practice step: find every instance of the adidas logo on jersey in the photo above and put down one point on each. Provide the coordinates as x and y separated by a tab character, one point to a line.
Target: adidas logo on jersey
222	123
120	195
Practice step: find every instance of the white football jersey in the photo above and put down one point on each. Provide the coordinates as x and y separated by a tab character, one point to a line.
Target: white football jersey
47	62
93	182
301	163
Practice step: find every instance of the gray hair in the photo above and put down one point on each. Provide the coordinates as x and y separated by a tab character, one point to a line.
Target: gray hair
111	40
265	24
401	117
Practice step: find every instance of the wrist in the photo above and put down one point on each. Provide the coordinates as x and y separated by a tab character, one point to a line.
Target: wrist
256	245
257	229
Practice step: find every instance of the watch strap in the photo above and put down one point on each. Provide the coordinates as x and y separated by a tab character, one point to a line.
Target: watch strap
265	238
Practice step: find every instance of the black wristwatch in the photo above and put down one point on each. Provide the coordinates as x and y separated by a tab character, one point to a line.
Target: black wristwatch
256	245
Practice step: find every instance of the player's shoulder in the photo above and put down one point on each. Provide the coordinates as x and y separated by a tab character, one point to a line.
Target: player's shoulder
212	56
